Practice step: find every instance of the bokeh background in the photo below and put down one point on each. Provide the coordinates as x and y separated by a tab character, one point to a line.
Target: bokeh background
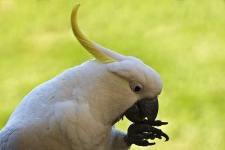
184	40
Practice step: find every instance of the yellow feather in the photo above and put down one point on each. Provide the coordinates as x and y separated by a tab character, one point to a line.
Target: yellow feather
85	42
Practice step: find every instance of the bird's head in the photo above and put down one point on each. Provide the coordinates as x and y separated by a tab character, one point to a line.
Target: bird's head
129	87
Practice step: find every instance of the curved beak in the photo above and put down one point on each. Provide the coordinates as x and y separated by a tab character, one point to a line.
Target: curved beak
144	108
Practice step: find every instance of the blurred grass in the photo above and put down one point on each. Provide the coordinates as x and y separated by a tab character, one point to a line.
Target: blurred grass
184	40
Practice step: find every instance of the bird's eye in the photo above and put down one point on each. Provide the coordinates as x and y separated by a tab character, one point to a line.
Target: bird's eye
136	87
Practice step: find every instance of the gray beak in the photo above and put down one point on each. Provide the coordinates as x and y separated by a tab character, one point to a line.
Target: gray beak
144	108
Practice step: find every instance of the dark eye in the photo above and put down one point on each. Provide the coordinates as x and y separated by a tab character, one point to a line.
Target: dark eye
136	87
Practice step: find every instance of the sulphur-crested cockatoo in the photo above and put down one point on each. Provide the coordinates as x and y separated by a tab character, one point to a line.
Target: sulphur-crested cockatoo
77	109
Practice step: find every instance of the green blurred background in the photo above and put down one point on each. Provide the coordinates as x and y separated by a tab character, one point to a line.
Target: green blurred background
184	40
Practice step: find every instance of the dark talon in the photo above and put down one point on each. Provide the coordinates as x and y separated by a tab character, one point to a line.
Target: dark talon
155	123
158	136
160	133
138	134
137	140
165	136
159	123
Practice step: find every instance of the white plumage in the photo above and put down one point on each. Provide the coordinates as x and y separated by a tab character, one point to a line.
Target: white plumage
76	110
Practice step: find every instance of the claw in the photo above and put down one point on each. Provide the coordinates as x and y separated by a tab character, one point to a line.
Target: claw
137	140
160	133
165	136
138	134
155	123
158	136
148	143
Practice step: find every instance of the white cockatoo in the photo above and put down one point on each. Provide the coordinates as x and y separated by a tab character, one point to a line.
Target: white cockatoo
77	109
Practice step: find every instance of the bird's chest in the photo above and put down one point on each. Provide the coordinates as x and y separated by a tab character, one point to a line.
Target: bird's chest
81	130
88	136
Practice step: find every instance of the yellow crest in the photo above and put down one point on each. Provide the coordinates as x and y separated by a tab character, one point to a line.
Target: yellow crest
85	42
